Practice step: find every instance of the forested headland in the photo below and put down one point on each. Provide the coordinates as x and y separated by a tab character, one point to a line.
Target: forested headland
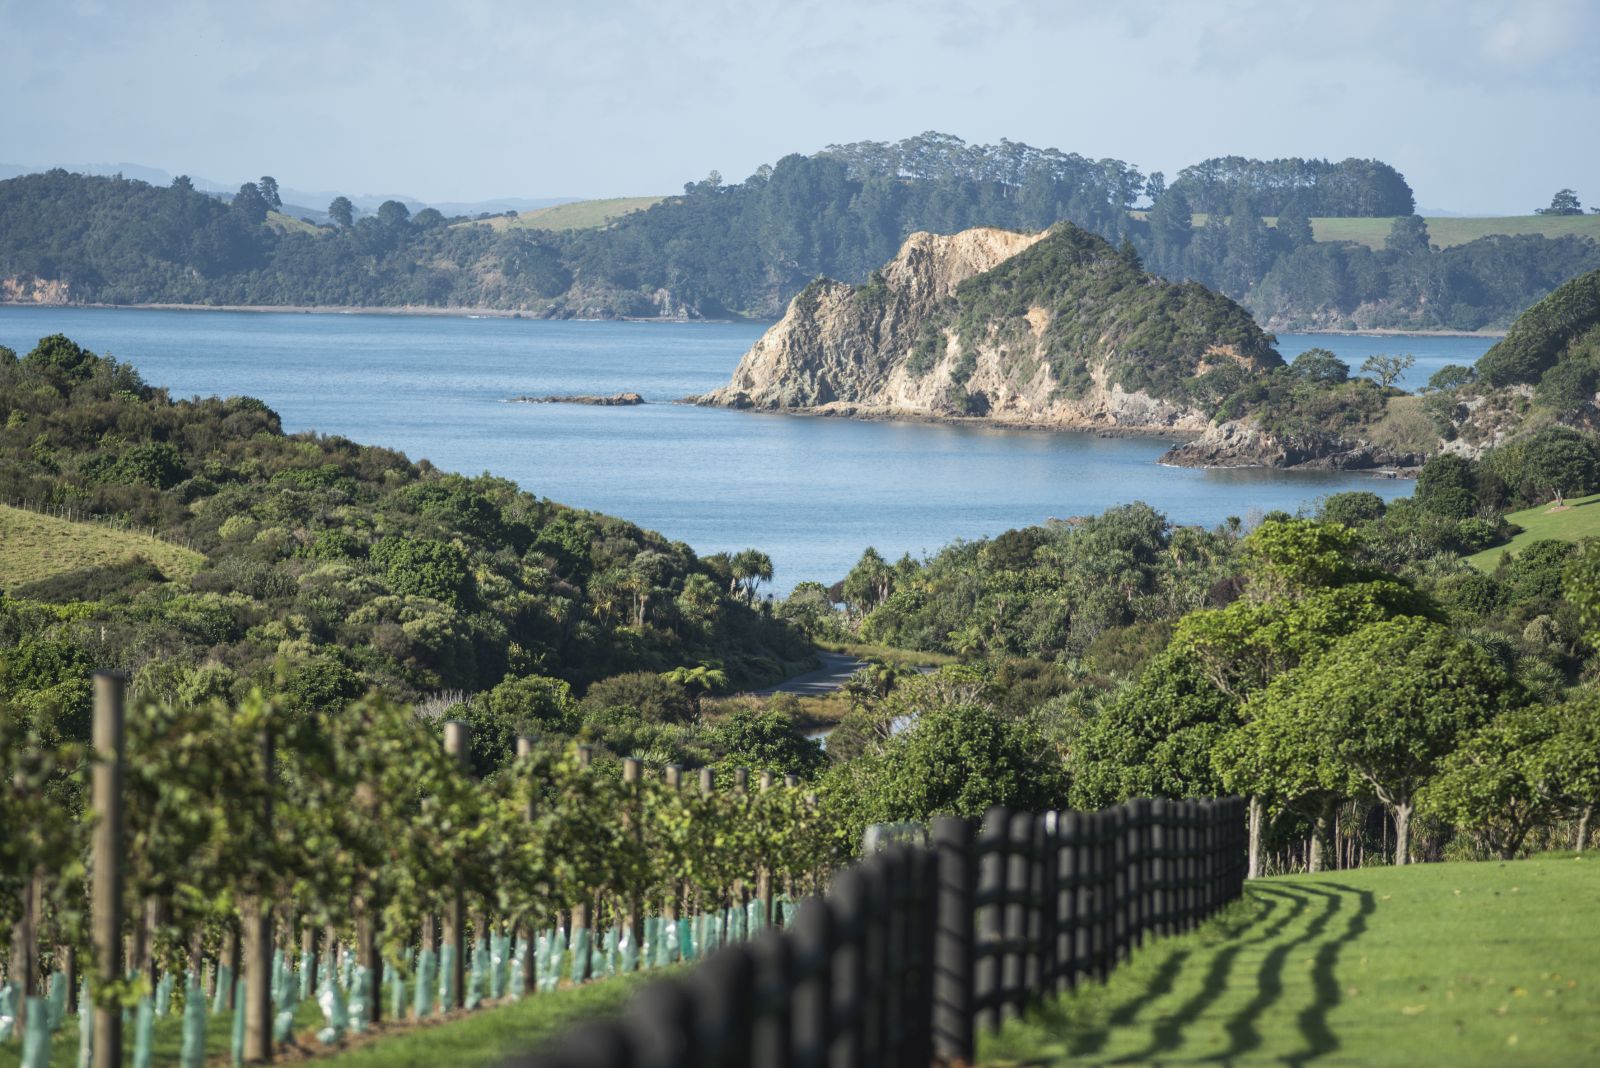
720	249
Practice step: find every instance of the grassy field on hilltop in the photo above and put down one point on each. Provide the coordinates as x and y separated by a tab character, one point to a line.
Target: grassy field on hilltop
1445	231
35	547
289	224
1578	520
579	215
1435	964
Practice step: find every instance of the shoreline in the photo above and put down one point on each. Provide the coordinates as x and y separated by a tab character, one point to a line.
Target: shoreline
879	415
515	313
363	309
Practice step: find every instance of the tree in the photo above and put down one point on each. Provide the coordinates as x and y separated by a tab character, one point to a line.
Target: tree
1560	464
1320	366
1387	703
269	192
1565	202
1387	369
1452	376
393	214
750	568
1446	486
1408	236
696	681
1494	784
1294	226
341	211
869	583
249	204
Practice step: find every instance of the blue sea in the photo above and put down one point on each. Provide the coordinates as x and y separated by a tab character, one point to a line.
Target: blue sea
812	493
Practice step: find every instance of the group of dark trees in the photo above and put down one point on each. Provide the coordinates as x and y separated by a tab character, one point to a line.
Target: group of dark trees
331	568
746	248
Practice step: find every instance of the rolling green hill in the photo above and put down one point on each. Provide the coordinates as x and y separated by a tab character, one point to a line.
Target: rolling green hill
579	215
36	547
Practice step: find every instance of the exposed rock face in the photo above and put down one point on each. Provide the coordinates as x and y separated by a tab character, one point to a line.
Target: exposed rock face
1242	443
29	290
1049	344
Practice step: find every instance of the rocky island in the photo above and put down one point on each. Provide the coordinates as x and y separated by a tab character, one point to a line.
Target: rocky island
1055	329
615	400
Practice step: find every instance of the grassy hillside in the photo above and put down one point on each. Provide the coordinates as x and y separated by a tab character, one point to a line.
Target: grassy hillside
1458	964
288	224
35	547
579	215
1579	519
1444	231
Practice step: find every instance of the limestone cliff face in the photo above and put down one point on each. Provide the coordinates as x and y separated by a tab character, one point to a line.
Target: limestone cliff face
832	346
1047	329
20	289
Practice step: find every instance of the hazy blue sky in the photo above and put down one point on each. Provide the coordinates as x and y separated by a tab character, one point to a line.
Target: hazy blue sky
1485	106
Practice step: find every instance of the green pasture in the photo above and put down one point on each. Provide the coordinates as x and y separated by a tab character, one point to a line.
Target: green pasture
1578	519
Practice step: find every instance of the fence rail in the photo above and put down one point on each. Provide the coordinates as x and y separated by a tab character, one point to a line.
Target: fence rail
915	950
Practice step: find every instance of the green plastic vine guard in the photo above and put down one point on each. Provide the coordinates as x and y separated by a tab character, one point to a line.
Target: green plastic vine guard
396	981
219	1003
85	1027
360	999
164	994
144	1032
308	981
516	983
499	964
193	1052
580	953
238	1021
447	978
421	1004
627	955
8	1011
608	954
36	1034
755	917
476	965
331	1000
58	1000
685	946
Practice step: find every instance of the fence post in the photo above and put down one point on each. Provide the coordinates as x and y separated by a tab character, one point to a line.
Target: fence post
813	959
457	741
256	928
672	775
109	735
1068	903
1160	892
847	899
1047	902
1017	918
633	923
772	1036
952	945
988	972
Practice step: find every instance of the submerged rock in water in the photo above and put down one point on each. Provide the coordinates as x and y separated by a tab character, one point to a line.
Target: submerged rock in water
616	400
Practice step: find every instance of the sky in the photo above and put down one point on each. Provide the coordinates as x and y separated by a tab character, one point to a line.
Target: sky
1487	107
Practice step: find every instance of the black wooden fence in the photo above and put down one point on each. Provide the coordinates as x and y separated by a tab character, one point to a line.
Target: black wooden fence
914	950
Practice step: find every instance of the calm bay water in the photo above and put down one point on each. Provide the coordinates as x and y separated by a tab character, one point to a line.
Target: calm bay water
810	492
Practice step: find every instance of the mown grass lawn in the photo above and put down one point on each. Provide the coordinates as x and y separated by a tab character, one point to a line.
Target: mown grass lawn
34	547
578	215
1579	519
486	1037
1440	964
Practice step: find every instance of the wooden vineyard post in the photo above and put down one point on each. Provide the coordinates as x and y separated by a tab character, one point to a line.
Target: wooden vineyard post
530	926
105	863
764	875
457	741
580	911
634	921
673	776
255	914
741	787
